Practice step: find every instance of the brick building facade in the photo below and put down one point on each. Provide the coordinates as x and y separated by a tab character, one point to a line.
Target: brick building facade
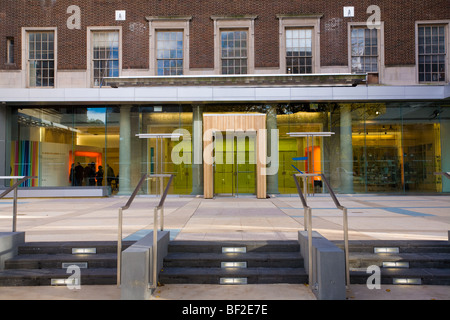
78	82
399	19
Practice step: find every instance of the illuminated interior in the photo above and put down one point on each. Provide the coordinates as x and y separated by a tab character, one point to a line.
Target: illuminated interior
389	147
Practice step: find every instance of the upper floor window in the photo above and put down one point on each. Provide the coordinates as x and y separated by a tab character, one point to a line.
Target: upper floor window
41	58
234	51
299	56
299	43
169	53
364	50
168	45
431	50
105	57
10	50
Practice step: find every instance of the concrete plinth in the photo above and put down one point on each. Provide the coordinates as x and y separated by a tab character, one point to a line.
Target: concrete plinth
328	267
9	242
137	266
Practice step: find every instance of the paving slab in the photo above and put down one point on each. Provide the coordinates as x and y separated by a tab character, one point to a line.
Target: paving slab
371	217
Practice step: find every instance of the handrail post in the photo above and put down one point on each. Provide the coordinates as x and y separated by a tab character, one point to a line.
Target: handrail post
14	224
155	248
310	262
305	218
347	267
119	248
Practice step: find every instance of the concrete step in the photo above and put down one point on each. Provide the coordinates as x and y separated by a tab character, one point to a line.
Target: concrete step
52	261
422	262
413	260
214	275
252	259
254	262
418	276
37	263
43	277
251	246
403	246
67	247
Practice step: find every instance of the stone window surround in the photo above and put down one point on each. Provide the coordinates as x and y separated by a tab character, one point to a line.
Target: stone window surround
89	64
446	24
170	23
244	22
25	66
380	41
307	21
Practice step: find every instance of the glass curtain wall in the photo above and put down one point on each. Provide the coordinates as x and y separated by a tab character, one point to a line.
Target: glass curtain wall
63	146
376	147
394	147
300	154
178	161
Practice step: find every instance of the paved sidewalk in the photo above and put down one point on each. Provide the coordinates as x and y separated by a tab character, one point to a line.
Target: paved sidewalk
194	218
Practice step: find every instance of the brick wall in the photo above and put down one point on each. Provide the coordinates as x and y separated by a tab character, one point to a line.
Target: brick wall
399	17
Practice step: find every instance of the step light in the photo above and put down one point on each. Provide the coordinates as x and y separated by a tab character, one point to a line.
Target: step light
233	264
84	250
395	264
81	265
407	281
234	249
386	250
64	282
233	280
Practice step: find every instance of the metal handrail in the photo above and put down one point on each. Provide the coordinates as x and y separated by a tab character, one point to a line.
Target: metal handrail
14	187
160	207
308	222
445	174
307	216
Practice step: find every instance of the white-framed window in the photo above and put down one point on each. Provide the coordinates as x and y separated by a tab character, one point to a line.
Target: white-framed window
41	58
169	52
169	45
299	50
364	50
432	52
234	44
234	51
105	55
299	43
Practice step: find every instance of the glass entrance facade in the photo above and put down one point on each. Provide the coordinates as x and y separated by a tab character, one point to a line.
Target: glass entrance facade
376	147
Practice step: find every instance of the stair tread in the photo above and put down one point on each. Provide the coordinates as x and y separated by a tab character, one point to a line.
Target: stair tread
231	271
54	272
63	256
402	256
251	246
404	272
233	256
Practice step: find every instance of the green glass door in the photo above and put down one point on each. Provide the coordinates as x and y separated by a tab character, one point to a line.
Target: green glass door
235	164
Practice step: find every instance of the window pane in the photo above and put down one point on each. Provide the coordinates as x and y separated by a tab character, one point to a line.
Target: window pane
105	55
432	53
169	52
364	44
40	58
299	44
234	52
